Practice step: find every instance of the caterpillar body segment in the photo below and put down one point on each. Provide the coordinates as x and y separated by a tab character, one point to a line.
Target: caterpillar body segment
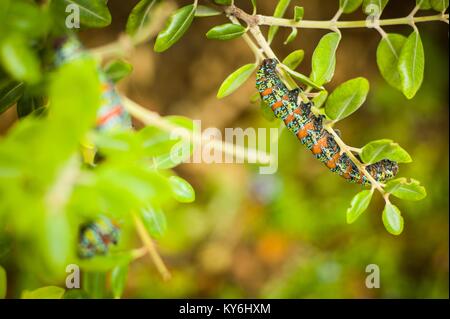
308	127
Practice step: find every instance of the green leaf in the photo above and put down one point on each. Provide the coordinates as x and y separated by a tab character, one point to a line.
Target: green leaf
320	99
29	104
81	102
423	4
392	219
205	11
235	80
384	149
324	59
388	53
226	31
280	10
411	65
348	6
291	37
347	98
49	292
93	13
374	7
223	2
298	13
19	60
303	78
57	240
358	205
75	294
118	69
182	190
3	283
26	18
94	283
118	280
177	24
139	16
10	93
154	221
293	60
439	5
403	189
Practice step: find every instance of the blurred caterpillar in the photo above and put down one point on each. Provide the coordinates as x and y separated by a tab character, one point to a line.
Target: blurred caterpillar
300	120
95	237
112	113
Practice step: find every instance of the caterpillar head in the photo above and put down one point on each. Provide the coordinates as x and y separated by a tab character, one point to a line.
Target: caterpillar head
383	170
270	64
390	168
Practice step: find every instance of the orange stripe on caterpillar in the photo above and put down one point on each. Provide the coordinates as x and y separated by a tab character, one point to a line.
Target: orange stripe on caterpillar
115	111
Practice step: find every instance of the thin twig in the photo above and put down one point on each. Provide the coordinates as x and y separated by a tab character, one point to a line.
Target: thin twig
313	24
152	118
148	242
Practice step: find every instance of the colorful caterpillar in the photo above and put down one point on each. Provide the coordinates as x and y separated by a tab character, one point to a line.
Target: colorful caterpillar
300	120
96	237
112	113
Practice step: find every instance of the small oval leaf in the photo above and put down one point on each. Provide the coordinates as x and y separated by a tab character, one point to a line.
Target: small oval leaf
118	280
177	24
182	190
411	65
403	189
439	5
324	59
384	149
118	69
19	60
154	221
205	11
392	219
235	80
293	60
291	37
226	31
388	53
94	14
358	205
279	12
347	98
298	13
139	16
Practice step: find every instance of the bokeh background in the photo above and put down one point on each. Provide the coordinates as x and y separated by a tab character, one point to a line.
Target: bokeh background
285	235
